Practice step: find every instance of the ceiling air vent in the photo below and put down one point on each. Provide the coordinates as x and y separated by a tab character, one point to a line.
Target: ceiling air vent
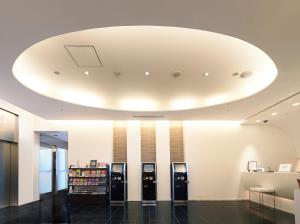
84	55
148	116
246	74
176	74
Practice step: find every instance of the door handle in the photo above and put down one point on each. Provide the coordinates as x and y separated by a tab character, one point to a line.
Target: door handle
155	181
187	182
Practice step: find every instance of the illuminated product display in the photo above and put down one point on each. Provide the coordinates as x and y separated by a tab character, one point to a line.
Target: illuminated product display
88	185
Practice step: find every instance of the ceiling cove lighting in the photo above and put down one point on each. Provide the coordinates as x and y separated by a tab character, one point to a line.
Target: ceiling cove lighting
183	103
296	104
214	123
274	114
82	98
218	99
82	123
138	104
148	62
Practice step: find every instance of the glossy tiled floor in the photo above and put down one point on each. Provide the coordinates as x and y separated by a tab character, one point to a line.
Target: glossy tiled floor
56	210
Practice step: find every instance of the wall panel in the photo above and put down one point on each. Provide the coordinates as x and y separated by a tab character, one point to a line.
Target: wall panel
176	141
148	141
120	141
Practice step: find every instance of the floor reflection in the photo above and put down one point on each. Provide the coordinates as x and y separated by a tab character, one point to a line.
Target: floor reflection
56	210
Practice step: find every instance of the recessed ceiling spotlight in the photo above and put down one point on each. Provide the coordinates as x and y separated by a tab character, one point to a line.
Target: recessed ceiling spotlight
296	104
86	72
258	121
147	73
274	114
246	74
205	74
56	72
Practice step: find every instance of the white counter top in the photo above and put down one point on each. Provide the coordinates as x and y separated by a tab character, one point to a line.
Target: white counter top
284	183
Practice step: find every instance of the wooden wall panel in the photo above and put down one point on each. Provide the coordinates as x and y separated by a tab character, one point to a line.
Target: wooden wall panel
176	141
148	141
120	141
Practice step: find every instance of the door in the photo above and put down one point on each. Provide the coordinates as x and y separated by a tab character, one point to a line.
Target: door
4	173
13	201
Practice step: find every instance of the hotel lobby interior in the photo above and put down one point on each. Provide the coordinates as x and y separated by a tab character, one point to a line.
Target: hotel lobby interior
150	111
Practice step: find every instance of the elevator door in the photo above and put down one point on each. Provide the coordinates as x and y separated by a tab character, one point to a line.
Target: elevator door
4	173
8	174
13	194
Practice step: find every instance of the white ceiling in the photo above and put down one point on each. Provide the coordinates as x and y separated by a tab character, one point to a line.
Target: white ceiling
134	68
284	115
285	110
271	26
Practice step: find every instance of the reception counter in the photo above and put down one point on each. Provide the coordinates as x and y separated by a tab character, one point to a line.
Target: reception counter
284	184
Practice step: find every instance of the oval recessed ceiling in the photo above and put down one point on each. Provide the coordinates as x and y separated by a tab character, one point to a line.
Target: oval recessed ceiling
134	51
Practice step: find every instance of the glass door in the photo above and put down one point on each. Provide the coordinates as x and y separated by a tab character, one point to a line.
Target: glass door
61	169
45	170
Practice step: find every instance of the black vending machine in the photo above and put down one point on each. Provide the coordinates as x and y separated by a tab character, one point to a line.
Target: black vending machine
118	183
149	183
179	182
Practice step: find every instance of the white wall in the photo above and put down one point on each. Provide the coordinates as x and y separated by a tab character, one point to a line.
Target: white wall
163	160
87	140
291	126
134	160
218	152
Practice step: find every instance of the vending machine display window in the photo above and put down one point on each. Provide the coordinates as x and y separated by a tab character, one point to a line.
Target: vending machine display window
180	168
117	168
